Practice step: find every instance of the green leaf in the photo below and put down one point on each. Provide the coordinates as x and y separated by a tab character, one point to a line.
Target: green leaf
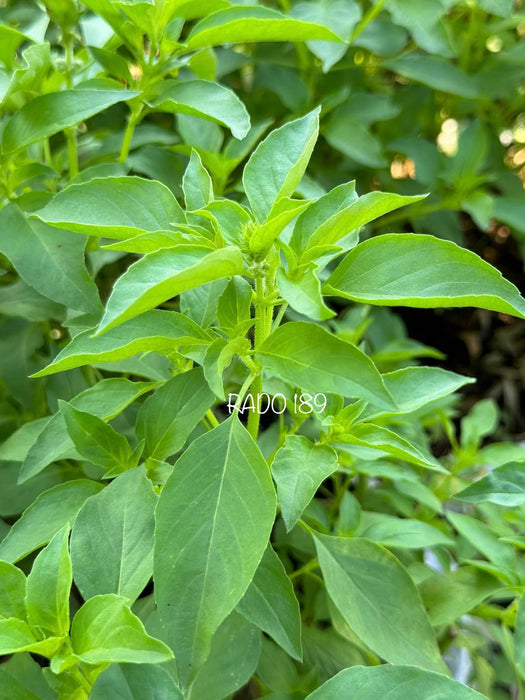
414	387
299	468
270	603
135	682
48	514
280	216
480	421
363	579
196	183
437	73
105	400
405	269
105	630
277	165
167	418
113	207
504	486
213	522
234	654
112	538
16	636
367	208
394	682
405	533
388	441
10	40
304	294
12	591
218	357
340	16
306	355
484	540
95	441
32	246
46	115
205	99
320	211
161	331
245	24
21	679
49	585
447	596
234	305
160	276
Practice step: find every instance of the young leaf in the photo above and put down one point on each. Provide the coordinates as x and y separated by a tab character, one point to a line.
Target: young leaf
279	217
234	653
245	24
166	419
213	521
105	630
48	514
112	538
367	208
154	330
16	636
379	601
323	209
48	587
405	533
113	207
233	308
196	183
388	441
306	355
205	99
135	682
416	270
278	163
270	603
298	469
105	400
159	276
32	246
304	294
12	591
96	441
395	682
504	486
48	114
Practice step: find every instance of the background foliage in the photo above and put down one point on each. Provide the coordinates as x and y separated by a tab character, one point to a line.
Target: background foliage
414	560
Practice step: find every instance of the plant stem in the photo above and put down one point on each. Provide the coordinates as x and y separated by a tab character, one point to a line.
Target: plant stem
263	327
309	566
134	118
71	132
211	417
369	17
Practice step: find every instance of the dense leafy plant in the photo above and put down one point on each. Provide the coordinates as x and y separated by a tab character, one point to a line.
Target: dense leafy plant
232	463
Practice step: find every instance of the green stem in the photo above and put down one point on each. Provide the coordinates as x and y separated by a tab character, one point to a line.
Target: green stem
211	417
310	566
71	132
134	119
263	327
369	17
72	150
